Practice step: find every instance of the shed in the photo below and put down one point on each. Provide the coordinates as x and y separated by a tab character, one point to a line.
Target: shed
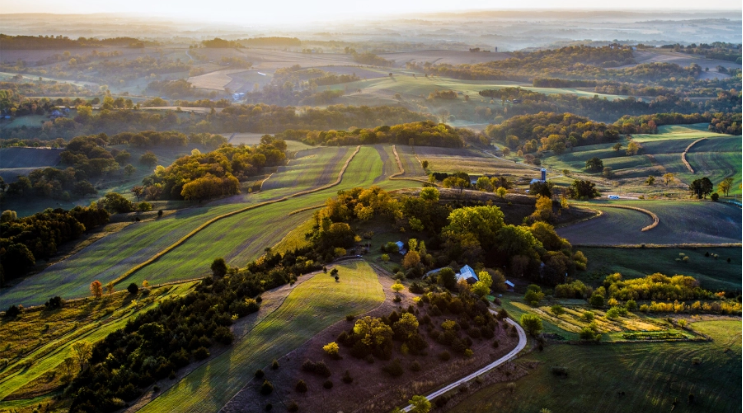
468	274
401	247
509	285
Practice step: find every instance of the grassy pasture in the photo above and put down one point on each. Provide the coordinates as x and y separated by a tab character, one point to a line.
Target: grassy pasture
312	167
42	340
652	375
673	132
681	222
239	238
472	162
712	273
215	80
311	306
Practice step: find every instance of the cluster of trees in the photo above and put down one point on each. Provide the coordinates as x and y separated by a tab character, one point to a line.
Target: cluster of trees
221	43
716	50
312	77
652	287
368	58
605	109
729	123
168	338
649	123
62	42
277	41
177	89
218	173
550	131
475	234
25	240
425	133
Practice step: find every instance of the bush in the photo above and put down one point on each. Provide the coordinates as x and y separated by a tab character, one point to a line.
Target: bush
301	387
223	335
612	313
444	356
275	364
266	388
560	371
347	377
350	317
268	407
332	350
259	374
597	301
133	289
328	384
631	305
292	407
416	288
415	366
318	368
715	197
201	353
394	369
557	310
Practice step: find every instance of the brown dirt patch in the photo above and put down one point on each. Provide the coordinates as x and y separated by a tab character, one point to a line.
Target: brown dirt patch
372	390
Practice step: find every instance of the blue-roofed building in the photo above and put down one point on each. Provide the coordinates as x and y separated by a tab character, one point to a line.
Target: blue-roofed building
468	274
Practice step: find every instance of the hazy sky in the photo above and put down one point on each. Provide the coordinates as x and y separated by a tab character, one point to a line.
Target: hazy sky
278	11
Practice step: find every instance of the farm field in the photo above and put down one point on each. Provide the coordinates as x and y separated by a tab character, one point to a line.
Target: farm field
472	162
16	161
681	222
310	307
48	336
651	376
713	274
310	168
249	233
673	132
216	80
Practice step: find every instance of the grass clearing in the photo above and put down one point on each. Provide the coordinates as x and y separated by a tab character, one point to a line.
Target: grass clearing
681	222
311	306
39	341
713	274
652	376
239	239
673	132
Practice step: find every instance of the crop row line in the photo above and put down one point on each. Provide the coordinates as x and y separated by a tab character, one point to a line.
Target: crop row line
651	214
683	155
186	237
396	176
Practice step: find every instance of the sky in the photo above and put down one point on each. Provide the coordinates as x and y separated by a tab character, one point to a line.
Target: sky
283	11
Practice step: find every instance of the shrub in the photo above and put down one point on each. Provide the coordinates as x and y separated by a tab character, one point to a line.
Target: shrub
201	353
275	364
133	289
350	317
259	374
328	384
347	377
557	310
444	356
631	305
560	371
332	350
532	323
301	386
415	366
597	301
292	407
394	369
612	313
469	353
318	368
588	316
266	388
416	288
223	335
268	407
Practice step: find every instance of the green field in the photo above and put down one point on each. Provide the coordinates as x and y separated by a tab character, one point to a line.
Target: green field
651	376
673	132
311	306
681	222
310	168
43	349
239	239
712	273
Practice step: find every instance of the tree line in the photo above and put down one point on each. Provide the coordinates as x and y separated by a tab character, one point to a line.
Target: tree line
425	133
62	42
23	241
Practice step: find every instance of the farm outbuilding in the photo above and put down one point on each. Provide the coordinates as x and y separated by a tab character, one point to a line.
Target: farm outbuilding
401	247
468	274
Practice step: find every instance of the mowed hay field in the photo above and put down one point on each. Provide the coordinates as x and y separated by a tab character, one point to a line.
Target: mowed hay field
239	239
21	161
215	80
651	376
674	132
310	307
681	222
311	167
713	273
472	162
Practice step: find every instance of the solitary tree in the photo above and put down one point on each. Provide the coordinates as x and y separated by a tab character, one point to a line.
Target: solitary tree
594	164
81	352
110	287
424	164
532	323
701	187
650	180
420	404
447	278
667	178
725	185
219	267
133	289
617	146
96	289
